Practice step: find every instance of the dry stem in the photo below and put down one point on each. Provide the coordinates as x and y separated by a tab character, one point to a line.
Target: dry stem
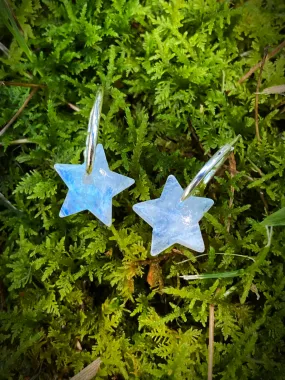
211	342
19	141
258	65
20	110
73	107
20	84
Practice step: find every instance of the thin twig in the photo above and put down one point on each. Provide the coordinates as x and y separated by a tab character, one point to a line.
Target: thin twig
257	97
20	84
211	342
261	194
72	106
20	110
258	65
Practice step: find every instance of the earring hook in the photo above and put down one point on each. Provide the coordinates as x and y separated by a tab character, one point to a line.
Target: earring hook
210	168
93	130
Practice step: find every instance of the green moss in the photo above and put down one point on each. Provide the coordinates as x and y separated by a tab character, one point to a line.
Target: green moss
169	69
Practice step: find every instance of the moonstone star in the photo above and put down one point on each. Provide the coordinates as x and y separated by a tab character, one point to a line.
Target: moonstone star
172	220
93	192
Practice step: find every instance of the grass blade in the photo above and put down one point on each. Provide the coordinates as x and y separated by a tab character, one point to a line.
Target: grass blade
4	49
275	219
11	24
205	276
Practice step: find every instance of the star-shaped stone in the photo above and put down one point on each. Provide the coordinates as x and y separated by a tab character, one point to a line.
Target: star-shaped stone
93	192
174	221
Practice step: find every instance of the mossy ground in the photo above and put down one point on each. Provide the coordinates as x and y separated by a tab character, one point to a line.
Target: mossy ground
73	289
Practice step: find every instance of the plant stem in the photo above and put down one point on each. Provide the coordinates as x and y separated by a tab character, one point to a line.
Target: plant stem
233	171
257	97
211	341
269	230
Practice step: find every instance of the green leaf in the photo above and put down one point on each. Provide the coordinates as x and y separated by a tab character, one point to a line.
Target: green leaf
275	219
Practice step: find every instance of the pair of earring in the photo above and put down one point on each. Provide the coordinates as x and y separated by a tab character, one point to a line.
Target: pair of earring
174	216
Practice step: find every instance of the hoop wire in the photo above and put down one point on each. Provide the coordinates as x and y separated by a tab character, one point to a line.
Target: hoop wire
210	168
93	130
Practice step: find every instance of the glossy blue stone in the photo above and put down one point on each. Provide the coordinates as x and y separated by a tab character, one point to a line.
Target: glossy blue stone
172	220
93	192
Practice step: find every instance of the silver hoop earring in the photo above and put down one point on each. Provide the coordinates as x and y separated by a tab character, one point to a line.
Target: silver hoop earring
92	185
175	216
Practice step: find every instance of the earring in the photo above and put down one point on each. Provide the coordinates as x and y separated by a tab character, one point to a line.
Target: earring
92	185
175	216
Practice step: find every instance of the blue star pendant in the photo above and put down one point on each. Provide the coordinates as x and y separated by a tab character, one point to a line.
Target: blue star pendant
174	221
94	191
